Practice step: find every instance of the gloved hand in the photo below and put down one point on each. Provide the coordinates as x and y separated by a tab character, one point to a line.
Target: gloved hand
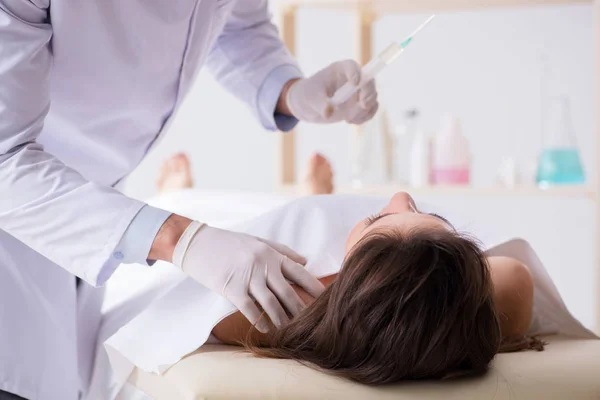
245	268
309	99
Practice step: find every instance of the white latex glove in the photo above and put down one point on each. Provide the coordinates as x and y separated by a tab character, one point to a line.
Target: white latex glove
245	268
309	99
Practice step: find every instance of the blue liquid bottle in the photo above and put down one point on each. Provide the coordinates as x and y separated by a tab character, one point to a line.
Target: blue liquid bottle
560	163
560	167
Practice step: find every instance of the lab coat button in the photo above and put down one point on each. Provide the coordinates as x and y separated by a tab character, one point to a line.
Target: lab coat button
118	255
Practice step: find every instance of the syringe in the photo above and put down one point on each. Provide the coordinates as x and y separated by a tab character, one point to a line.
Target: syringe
375	66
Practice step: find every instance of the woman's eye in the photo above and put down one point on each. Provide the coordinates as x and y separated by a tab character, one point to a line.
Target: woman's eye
442	219
372	219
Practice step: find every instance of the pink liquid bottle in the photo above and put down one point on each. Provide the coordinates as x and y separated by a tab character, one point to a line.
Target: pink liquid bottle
451	159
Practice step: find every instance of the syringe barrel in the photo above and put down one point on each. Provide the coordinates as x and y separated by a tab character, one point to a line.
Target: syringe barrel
369	71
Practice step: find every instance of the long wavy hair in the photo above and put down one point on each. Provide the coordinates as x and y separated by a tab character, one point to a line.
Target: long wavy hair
406	305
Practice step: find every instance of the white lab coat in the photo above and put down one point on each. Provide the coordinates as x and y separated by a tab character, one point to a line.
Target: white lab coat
86	88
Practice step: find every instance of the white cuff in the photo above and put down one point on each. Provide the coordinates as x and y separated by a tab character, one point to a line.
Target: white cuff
184	242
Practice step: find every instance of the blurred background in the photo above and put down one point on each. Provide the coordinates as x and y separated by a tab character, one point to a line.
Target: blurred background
496	70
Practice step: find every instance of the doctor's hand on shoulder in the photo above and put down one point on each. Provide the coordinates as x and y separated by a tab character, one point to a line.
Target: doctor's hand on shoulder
309	99
244	269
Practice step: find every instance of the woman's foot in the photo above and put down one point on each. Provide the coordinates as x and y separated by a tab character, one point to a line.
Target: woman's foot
175	173
319	176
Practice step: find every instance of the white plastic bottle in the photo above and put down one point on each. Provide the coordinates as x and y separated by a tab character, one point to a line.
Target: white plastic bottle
451	159
420	160
404	135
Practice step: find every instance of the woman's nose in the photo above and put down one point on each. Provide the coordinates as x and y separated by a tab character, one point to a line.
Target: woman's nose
400	202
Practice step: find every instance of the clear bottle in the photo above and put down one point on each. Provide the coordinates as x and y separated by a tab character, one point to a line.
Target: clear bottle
404	135
359	150
370	151
420	160
559	162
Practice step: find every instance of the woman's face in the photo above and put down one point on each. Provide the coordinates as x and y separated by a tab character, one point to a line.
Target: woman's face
401	213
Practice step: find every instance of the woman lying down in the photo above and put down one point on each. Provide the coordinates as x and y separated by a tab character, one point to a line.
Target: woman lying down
408	296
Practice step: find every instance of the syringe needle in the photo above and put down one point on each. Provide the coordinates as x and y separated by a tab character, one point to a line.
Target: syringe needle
410	37
423	25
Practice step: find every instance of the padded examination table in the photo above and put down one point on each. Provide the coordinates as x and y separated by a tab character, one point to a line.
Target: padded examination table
567	369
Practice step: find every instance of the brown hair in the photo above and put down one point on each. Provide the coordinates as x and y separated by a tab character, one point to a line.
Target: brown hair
406	305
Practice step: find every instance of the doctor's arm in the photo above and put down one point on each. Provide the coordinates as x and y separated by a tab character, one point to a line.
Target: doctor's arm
81	225
50	207
250	60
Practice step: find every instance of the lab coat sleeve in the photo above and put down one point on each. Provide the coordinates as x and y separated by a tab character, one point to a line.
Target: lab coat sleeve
250	61
136	243
51	208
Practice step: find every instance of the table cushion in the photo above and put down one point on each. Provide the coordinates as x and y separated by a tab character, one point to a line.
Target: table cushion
566	369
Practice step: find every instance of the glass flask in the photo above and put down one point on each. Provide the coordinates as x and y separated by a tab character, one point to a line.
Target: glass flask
560	162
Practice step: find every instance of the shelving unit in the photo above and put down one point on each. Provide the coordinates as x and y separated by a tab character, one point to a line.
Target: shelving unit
382	7
368	11
572	192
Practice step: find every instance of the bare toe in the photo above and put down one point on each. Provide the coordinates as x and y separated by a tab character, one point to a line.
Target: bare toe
319	175
181	163
175	173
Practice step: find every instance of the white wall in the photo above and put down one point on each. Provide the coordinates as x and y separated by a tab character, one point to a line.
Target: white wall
482	66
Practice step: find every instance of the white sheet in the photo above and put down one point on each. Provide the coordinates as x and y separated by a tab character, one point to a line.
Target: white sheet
175	315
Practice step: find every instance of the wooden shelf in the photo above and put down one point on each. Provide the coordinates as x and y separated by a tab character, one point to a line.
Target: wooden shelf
406	6
463	191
